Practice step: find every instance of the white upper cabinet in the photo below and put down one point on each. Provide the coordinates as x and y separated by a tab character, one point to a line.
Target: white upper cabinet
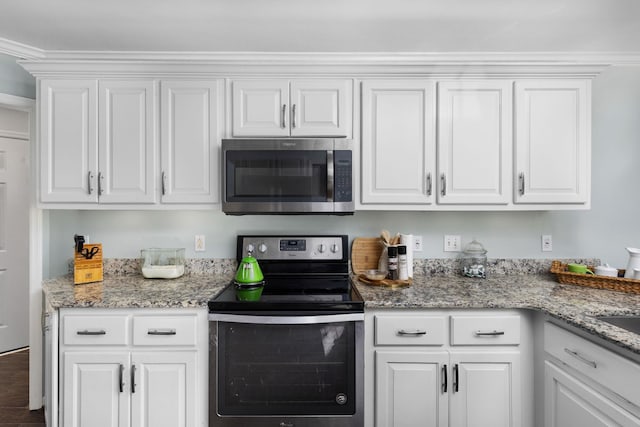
474	142
127	142
191	116
68	140
398	142
553	141
97	141
300	108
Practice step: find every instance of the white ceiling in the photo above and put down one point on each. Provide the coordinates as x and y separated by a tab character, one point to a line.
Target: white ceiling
324	25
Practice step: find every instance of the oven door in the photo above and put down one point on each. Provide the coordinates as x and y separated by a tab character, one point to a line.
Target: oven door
286	370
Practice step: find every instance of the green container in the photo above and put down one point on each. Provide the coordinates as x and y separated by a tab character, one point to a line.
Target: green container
251	292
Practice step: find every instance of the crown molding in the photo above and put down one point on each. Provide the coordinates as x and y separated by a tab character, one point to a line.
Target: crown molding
20	50
115	64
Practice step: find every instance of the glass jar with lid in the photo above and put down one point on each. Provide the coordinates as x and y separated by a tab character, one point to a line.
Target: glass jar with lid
474	260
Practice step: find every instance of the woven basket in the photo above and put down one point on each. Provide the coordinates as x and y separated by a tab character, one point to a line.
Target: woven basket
593	281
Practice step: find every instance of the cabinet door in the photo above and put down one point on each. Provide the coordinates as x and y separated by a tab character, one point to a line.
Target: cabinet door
165	389
127	142
553	141
398	142
485	389
321	108
569	402
94	389
474	142
68	141
191	118
410	389
260	107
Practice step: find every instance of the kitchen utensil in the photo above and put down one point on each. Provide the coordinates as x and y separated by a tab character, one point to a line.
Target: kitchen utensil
634	262
365	254
162	263
474	260
375	274
606	270
579	268
249	270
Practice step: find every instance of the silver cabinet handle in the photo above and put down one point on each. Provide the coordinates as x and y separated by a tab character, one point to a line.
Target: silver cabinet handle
521	183
163	183
415	333
455	378
443	185
428	183
161	332
121	378
293	116
100	178
488	334
581	358
90	181
133	378
284	115
88	332
444	378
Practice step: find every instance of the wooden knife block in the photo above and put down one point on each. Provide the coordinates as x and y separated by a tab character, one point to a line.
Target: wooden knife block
87	270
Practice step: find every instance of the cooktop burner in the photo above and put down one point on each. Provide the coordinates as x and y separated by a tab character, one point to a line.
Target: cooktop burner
302	274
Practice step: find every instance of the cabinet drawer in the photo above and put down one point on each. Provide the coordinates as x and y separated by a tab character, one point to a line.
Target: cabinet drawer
95	330
614	372
164	330
409	330
485	330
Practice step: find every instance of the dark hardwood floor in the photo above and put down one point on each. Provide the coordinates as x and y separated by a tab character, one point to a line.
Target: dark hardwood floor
14	392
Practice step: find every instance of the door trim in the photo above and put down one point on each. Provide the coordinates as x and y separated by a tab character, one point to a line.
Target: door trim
35	256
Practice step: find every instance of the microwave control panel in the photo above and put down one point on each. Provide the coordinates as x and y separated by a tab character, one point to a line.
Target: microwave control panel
343	191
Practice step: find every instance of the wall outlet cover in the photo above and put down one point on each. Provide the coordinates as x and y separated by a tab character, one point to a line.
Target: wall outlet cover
199	243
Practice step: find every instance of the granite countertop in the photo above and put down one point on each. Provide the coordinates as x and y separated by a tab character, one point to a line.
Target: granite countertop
573	304
435	286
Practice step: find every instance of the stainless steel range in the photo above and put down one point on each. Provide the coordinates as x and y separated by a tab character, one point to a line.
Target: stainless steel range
294	358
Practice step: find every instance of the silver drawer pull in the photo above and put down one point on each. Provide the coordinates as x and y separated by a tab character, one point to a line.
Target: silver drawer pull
415	333
493	333
581	358
88	332
161	332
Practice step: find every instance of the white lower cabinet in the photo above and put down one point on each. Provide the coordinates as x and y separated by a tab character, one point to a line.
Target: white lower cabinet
587	385
111	378
421	378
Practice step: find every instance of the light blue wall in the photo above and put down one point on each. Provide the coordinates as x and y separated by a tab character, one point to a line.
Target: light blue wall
612	224
14	80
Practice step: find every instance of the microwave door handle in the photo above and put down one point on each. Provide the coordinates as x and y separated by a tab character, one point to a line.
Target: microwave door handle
330	175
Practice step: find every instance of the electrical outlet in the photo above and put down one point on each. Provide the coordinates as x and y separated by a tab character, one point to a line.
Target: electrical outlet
87	239
199	243
452	243
547	243
417	243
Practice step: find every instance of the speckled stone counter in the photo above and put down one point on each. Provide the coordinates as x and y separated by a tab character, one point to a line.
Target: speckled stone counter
519	284
573	304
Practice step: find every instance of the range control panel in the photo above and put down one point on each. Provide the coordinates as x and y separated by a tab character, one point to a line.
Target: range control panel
284	248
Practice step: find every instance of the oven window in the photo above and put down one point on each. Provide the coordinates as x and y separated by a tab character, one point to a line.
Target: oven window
286	369
289	176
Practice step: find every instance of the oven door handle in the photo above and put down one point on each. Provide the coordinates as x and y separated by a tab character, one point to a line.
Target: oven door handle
286	320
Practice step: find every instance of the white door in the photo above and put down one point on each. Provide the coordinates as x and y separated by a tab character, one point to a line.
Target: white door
68	141
474	142
569	402
321	108
127	142
191	114
14	242
552	141
398	142
260	107
165	389
485	389
410	389
95	389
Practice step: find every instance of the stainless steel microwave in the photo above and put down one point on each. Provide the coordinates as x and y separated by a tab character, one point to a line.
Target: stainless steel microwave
287	176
